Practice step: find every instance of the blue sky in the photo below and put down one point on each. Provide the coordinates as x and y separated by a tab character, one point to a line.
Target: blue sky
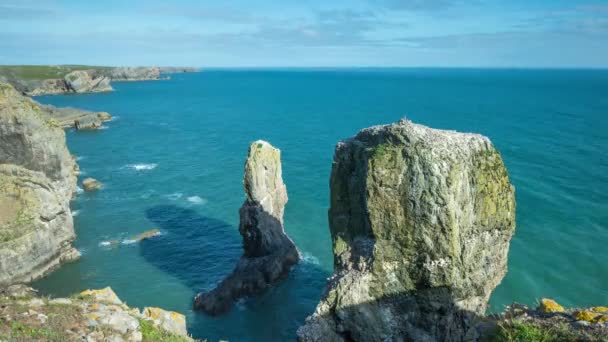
307	33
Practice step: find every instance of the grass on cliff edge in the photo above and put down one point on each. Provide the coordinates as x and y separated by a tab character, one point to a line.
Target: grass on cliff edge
151	333
530	332
42	72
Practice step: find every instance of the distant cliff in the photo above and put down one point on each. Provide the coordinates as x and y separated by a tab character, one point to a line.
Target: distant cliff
44	80
37	181
421	221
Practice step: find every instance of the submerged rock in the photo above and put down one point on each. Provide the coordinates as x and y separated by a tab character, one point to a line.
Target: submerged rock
91	184
268	253
420	221
146	235
37	181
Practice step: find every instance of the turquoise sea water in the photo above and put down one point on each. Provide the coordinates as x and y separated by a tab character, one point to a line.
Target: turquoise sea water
173	159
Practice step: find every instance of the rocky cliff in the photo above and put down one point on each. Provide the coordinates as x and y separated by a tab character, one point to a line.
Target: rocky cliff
133	73
268	253
91	316
37	181
78	81
421	221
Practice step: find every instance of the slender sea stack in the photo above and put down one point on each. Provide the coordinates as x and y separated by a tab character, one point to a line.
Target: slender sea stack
37	181
268	253
421	221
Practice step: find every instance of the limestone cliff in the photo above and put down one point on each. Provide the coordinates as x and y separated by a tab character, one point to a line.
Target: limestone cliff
268	253
420	221
37	181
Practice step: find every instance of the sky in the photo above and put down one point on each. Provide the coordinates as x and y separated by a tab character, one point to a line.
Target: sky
307	33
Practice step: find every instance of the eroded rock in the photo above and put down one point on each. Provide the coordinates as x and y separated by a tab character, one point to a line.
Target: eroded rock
37	181
91	184
268	253
420	221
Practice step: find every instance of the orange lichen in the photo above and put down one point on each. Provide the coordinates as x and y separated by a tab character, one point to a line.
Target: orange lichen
549	305
587	316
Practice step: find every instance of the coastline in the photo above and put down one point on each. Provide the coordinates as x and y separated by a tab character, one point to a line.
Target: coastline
573	315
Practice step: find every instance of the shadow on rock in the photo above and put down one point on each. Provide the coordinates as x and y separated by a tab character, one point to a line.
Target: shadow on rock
196	249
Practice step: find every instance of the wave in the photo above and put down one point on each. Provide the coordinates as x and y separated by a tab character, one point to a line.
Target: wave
128	242
75	213
79	190
141	167
310	259
197	200
114	118
103	127
79	158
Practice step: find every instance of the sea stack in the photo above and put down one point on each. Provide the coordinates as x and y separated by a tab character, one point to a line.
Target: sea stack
268	253
37	181
421	221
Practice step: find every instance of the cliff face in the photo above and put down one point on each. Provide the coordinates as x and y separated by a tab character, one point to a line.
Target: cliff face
421	221
78	81
133	73
37	181
268	253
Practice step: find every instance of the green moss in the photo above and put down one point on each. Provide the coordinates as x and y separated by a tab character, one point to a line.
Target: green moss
530	332
380	150
153	334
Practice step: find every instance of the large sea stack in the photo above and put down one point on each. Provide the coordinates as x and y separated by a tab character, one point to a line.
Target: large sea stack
421	221
37	181
268	253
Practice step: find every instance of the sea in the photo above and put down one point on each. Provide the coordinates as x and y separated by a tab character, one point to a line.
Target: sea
173	157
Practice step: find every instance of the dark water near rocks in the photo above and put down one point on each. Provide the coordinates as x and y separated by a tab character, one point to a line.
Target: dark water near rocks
173	160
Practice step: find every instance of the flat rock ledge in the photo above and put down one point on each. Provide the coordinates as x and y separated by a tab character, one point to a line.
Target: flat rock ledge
421	221
91	316
268	253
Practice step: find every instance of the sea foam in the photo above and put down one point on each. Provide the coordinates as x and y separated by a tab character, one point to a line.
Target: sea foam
142	167
196	200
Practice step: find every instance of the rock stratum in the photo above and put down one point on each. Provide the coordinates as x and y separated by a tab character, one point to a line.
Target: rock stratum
91	316
37	181
268	253
421	221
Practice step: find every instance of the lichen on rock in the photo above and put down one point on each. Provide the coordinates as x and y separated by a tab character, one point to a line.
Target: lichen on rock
268	253
421	221
37	181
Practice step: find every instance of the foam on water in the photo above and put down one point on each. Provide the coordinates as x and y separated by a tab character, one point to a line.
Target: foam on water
75	213
142	167
310	259
197	200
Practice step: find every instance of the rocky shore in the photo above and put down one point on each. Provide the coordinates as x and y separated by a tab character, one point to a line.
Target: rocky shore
90	316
